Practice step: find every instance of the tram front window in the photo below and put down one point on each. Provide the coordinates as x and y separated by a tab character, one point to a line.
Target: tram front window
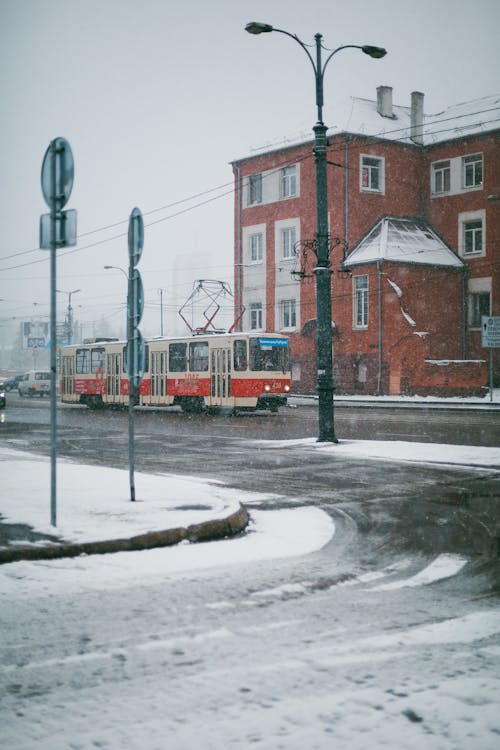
268	357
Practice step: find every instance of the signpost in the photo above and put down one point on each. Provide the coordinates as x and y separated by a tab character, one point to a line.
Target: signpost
135	343
57	229
490	339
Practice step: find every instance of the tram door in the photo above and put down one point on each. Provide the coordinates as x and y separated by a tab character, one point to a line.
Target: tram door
220	377
113	369
158	372
67	376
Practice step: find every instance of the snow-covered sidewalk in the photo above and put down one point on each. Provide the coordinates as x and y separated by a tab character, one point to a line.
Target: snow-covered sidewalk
94	504
399	450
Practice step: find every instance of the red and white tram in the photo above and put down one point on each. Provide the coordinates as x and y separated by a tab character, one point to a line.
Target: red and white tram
236	370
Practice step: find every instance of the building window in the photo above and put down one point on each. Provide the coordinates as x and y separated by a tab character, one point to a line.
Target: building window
473	237
472	170
254	189
360	301
479	305
472	234
288	313
256	316
441	177
372	174
288	241
256	247
288	182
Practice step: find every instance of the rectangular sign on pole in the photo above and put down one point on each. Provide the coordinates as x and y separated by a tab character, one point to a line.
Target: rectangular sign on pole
35	335
490	332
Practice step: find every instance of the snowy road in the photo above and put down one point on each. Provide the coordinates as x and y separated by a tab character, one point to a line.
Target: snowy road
384	635
345	647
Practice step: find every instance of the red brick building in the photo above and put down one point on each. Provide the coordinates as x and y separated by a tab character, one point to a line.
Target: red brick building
414	213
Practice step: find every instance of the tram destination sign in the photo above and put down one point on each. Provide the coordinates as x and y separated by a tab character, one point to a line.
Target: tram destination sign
268	342
490	332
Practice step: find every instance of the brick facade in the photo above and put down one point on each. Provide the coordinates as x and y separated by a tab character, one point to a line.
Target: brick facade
418	314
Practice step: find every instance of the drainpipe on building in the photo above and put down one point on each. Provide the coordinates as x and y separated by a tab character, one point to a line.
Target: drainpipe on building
346	199
239	251
380	348
465	316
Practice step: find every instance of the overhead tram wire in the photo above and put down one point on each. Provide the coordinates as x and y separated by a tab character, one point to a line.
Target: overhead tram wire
145	213
116	236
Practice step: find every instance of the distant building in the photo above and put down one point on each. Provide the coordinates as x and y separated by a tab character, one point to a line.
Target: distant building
414	212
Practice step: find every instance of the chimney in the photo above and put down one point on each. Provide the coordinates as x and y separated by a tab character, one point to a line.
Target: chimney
384	101
417	118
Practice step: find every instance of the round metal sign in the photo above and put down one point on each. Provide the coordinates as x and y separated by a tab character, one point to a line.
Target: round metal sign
136	297
135	236
57	174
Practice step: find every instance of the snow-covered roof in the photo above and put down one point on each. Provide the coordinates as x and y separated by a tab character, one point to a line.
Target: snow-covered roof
467	118
402	240
457	121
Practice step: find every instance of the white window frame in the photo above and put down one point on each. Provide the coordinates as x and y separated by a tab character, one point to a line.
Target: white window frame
472	171
473	237
441	177
467	231
288	313
256	247
360	302
256	316
289	181
254	189
478	287
378	168
288	240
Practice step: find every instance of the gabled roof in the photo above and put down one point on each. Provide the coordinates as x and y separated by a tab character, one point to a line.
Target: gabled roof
401	240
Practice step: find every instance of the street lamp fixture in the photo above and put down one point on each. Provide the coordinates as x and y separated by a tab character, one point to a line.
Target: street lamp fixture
116	268
70	312
119	268
324	356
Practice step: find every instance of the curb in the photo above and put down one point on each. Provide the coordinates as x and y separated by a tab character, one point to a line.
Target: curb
205	531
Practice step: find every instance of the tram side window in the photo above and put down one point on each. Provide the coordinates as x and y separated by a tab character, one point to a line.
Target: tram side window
177	358
240	355
96	359
82	361
198	356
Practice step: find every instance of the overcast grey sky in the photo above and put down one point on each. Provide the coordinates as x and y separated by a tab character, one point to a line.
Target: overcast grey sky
158	97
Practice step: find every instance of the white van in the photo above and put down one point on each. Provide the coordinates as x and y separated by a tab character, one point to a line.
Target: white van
34	383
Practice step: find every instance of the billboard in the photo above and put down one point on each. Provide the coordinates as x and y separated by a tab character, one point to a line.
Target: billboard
35	335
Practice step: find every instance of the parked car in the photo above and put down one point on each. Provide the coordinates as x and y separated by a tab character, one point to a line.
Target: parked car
34	383
12	382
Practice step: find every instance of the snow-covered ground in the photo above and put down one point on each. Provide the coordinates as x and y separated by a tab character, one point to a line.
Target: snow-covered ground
93	503
399	450
186	662
489	399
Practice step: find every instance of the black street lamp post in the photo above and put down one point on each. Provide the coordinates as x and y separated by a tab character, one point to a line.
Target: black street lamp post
324	357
